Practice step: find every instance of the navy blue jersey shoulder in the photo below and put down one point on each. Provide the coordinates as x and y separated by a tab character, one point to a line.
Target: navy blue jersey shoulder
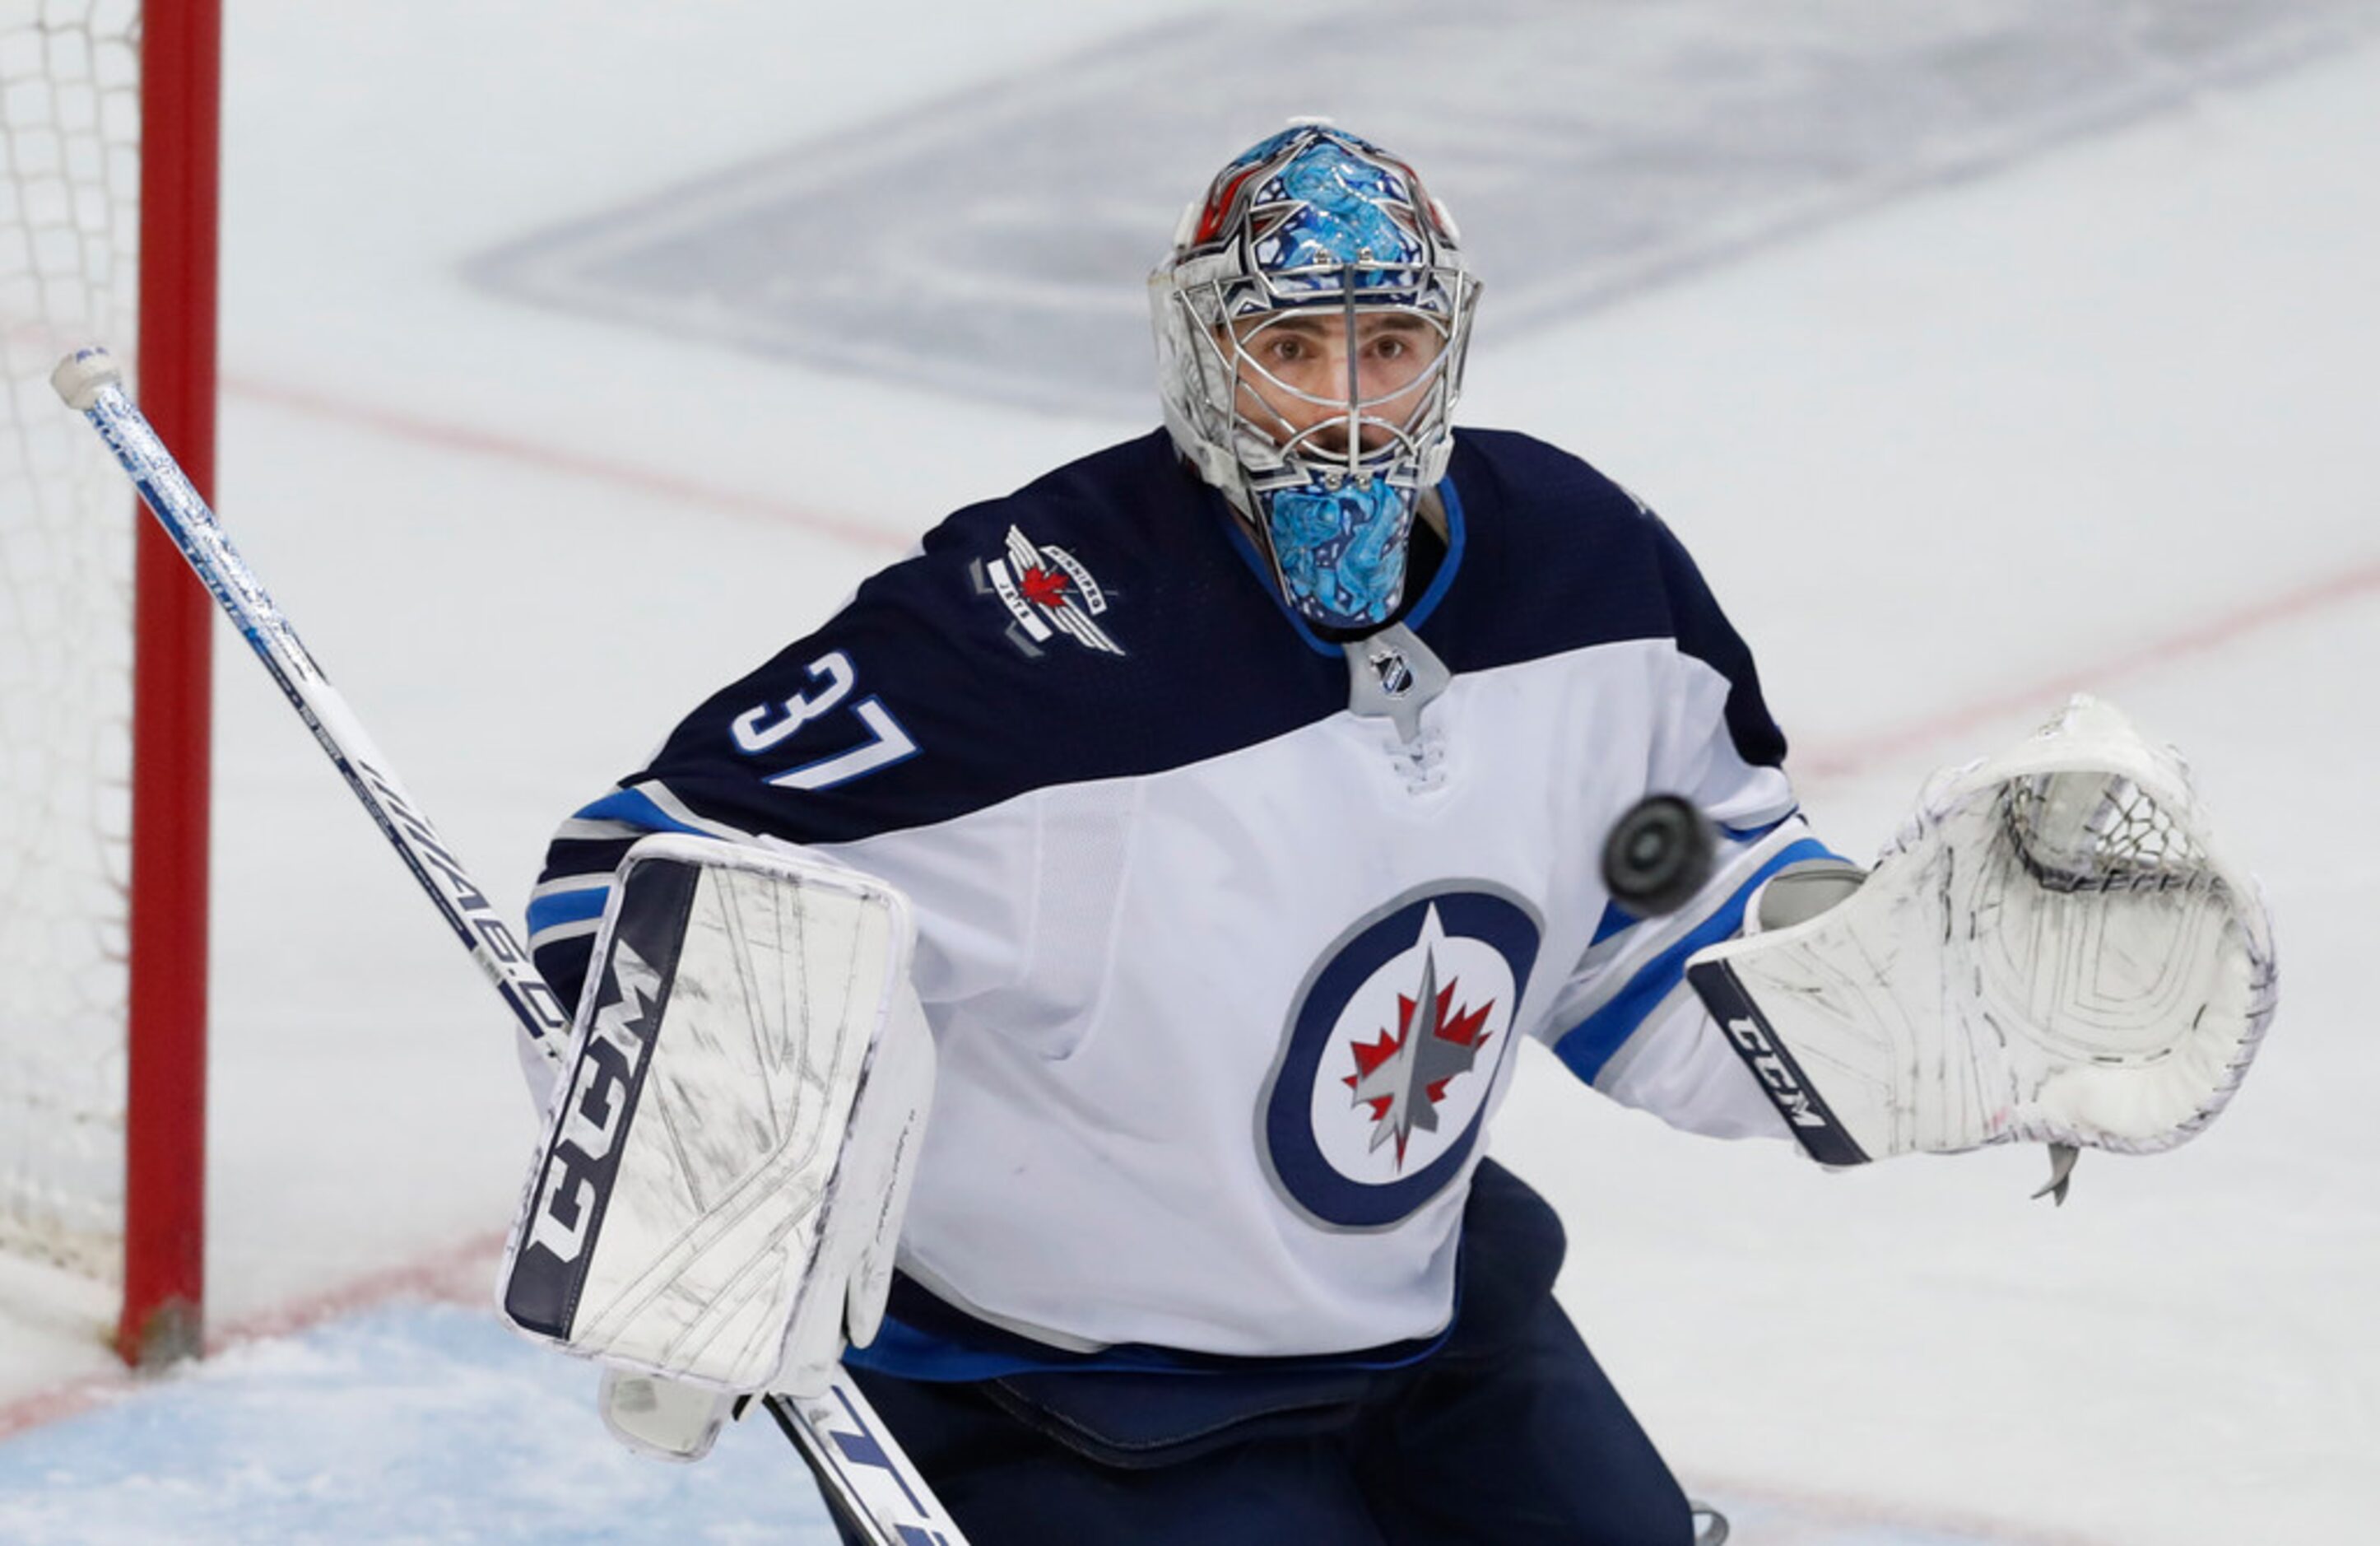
1095	624
1108	620
1557	557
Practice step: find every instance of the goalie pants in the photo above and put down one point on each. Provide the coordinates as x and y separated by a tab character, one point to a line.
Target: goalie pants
1507	1431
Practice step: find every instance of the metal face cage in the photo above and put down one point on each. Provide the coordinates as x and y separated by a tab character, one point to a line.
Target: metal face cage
1312	325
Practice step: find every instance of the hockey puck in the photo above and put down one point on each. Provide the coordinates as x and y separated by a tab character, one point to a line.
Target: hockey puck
1658	854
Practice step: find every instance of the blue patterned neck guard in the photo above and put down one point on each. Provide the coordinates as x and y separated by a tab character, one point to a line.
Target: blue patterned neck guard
1340	553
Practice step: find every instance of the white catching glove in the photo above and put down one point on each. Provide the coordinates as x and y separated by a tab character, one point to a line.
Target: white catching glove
2053	949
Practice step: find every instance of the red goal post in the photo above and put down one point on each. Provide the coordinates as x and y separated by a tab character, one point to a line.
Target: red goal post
109	130
165	1227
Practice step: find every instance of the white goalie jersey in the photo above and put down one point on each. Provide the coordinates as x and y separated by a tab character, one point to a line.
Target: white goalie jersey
1227	935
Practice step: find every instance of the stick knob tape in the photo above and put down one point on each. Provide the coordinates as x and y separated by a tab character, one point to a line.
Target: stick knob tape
80	375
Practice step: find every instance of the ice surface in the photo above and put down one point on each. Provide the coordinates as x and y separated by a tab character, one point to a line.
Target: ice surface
1596	155
430	1424
2099	417
415	1423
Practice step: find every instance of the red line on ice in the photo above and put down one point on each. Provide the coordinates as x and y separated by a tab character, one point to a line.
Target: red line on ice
1843	759
614	474
463	1273
61	1402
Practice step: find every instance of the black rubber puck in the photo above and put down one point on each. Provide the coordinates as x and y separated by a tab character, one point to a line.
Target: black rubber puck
1658	854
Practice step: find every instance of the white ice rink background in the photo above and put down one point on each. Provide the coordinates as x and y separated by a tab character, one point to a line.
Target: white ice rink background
2096	408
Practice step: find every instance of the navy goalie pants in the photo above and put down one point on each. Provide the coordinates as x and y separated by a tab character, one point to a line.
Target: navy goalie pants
1508	1432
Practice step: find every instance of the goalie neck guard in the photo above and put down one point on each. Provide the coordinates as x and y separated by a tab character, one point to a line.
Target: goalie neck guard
1311	326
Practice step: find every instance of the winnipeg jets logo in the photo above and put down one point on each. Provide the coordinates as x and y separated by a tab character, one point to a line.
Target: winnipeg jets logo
1403	1077
1048	592
1391	1053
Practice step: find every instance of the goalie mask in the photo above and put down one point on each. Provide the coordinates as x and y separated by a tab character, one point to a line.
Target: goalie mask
1311	324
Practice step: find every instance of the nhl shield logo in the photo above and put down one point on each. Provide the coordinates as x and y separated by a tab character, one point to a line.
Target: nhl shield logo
1395	673
1392	1048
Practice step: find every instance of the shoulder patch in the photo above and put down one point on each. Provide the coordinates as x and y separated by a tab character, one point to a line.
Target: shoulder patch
1047	591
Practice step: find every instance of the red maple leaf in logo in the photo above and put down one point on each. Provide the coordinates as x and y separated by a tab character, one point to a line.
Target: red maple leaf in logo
1390	1070
1043	586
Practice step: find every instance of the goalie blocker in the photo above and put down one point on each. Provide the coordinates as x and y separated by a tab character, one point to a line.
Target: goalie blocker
721	1188
2053	949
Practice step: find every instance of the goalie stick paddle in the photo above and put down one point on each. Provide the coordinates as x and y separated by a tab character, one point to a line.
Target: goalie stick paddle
860	1471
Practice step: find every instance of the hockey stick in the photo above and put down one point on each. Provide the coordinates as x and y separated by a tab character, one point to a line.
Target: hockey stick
860	1469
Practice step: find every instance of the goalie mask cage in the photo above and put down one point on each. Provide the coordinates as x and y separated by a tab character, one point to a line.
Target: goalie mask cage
108	135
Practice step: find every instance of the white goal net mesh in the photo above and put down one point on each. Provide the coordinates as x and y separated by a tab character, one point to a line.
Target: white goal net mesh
70	195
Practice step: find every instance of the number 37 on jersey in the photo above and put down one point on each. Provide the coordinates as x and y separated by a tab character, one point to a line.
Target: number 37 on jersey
878	740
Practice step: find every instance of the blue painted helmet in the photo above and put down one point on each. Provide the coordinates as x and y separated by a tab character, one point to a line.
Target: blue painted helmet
1311	326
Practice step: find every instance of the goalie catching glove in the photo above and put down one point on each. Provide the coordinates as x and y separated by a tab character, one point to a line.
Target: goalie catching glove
721	1188
2053	949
